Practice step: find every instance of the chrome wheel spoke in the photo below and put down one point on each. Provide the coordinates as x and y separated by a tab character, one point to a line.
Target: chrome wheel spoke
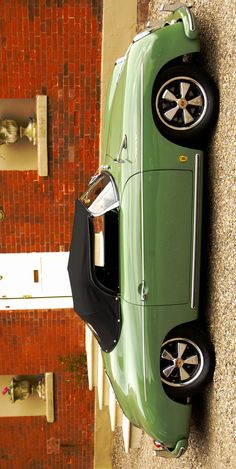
168	370
198	101
171	113
187	117
169	96
193	360
183	374
181	348
184	87
167	355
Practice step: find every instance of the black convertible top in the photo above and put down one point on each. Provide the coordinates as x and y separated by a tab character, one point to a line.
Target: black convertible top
96	305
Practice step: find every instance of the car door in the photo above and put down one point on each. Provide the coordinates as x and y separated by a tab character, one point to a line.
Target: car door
156	233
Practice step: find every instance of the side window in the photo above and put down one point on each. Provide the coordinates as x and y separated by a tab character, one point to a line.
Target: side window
106	250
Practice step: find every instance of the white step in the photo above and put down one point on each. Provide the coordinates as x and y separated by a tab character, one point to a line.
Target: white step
106	396
89	352
119	416
126	430
131	435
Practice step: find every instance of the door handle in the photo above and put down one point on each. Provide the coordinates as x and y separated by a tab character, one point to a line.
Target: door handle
143	290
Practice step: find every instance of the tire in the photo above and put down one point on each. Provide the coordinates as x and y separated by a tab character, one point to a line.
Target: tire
185	104
187	361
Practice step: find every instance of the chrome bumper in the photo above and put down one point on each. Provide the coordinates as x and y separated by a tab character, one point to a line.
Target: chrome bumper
177	452
173	6
178	12
181	11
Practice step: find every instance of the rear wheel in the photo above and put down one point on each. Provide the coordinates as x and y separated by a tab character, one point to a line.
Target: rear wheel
187	361
184	103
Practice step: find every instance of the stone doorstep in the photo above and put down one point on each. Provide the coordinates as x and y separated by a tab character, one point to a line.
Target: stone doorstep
108	414
102	438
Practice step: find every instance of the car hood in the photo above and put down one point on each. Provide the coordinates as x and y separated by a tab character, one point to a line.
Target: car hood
124	95
129	114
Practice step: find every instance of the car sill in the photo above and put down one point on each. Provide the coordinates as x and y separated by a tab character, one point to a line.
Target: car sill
195	226
142	236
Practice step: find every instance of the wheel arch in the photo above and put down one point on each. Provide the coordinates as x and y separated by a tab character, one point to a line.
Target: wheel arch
192	136
194	332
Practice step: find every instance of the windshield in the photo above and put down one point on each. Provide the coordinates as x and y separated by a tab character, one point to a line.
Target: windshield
101	195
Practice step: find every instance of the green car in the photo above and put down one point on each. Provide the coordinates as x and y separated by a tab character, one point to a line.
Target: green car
135	253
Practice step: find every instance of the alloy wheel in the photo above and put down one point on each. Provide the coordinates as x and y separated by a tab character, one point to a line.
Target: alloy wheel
181	103
181	362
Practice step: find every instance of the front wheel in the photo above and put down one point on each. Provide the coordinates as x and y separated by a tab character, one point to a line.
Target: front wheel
184	104
187	361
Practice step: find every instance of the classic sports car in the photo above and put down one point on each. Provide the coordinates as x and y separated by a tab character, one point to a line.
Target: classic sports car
139	292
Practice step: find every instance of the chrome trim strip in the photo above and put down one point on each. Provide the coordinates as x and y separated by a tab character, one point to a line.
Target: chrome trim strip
141	35
195	226
143	353
120	60
142	238
141	170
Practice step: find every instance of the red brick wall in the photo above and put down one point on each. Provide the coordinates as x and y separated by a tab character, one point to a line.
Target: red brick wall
50	47
52	50
31	343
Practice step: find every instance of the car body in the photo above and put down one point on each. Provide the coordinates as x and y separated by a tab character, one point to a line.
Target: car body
142	300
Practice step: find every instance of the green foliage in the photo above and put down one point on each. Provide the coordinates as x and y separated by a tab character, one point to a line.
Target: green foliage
76	365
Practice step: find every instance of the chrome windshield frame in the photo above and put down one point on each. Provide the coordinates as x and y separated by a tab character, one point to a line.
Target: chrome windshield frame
114	205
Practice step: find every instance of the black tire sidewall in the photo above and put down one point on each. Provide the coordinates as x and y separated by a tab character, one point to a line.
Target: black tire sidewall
196	135
198	337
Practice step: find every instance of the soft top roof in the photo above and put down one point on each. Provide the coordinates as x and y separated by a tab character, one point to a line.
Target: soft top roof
96	306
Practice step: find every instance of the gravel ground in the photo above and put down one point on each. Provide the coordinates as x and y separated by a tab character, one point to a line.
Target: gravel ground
212	437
